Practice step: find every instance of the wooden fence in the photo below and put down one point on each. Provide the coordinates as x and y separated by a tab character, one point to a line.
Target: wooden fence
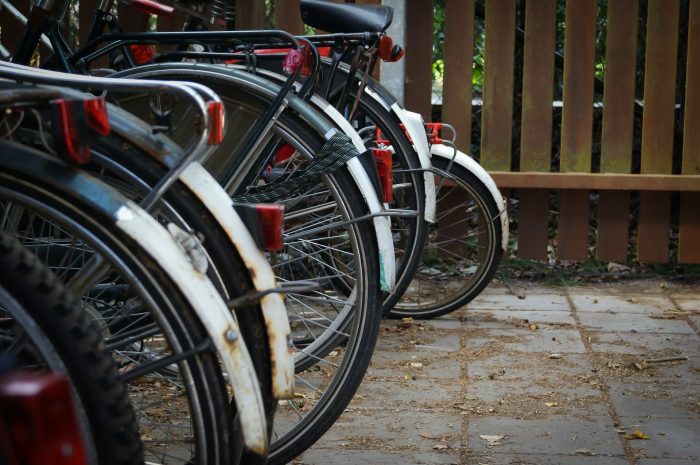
615	157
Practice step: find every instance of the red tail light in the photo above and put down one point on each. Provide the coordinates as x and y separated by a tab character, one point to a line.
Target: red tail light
152	8
216	122
37	413
383	161
70	131
97	116
388	51
271	220
143	53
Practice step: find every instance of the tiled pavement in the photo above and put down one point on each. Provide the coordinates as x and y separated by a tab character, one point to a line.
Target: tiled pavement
562	374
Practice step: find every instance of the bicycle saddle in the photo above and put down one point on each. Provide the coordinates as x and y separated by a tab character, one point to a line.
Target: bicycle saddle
346	17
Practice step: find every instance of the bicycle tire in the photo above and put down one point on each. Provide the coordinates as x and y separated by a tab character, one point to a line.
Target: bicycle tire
88	210
440	299
52	315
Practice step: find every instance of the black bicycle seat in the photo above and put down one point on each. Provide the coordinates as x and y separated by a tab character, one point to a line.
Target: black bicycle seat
346	17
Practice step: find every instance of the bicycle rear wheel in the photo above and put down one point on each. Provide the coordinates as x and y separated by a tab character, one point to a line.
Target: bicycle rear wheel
463	249
43	328
67	218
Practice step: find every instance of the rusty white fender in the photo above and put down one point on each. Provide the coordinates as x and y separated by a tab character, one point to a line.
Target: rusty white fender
382	224
212	195
413	124
468	163
215	199
215	316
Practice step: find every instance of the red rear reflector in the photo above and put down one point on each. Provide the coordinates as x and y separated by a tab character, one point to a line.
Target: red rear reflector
388	51
71	133
152	8
97	116
383	161
271	220
143	53
216	122
284	153
40	420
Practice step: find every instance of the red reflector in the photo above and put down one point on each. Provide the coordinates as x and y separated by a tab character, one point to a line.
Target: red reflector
152	8
271	219
388	51
216	122
40	421
75	147
143	53
284	153
97	116
383	161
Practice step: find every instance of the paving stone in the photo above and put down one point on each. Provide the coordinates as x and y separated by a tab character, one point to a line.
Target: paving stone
675	438
651	461
643	343
691	304
540	459
391	430
394	337
445	322
527	367
657	401
546	302
622	304
410	394
398	364
632	322
552	435
518	319
365	457
696	320
548	340
523	398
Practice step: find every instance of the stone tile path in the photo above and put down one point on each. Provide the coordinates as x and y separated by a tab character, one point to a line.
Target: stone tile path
531	374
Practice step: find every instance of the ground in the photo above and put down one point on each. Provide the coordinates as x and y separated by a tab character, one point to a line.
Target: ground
528	374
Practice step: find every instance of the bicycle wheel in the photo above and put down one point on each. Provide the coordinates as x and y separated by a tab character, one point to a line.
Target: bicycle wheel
44	329
67	218
463	249
322	243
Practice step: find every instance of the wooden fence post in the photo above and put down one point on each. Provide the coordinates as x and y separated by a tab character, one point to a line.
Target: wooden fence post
618	120
577	125
419	57
658	126
536	124
688	244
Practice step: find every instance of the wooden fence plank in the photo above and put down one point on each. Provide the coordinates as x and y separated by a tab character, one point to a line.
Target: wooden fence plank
457	89
617	132
419	57
288	17
577	125
689	231
497	116
250	14
658	125
536	124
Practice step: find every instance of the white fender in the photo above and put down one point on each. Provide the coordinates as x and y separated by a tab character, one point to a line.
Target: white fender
214	314
413	124
382	224
468	163
218	202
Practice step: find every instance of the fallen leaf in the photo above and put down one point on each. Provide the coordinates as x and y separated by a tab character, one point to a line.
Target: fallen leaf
551	404
428	435
555	356
636	434
441	446
416	364
533	327
616	267
493	439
